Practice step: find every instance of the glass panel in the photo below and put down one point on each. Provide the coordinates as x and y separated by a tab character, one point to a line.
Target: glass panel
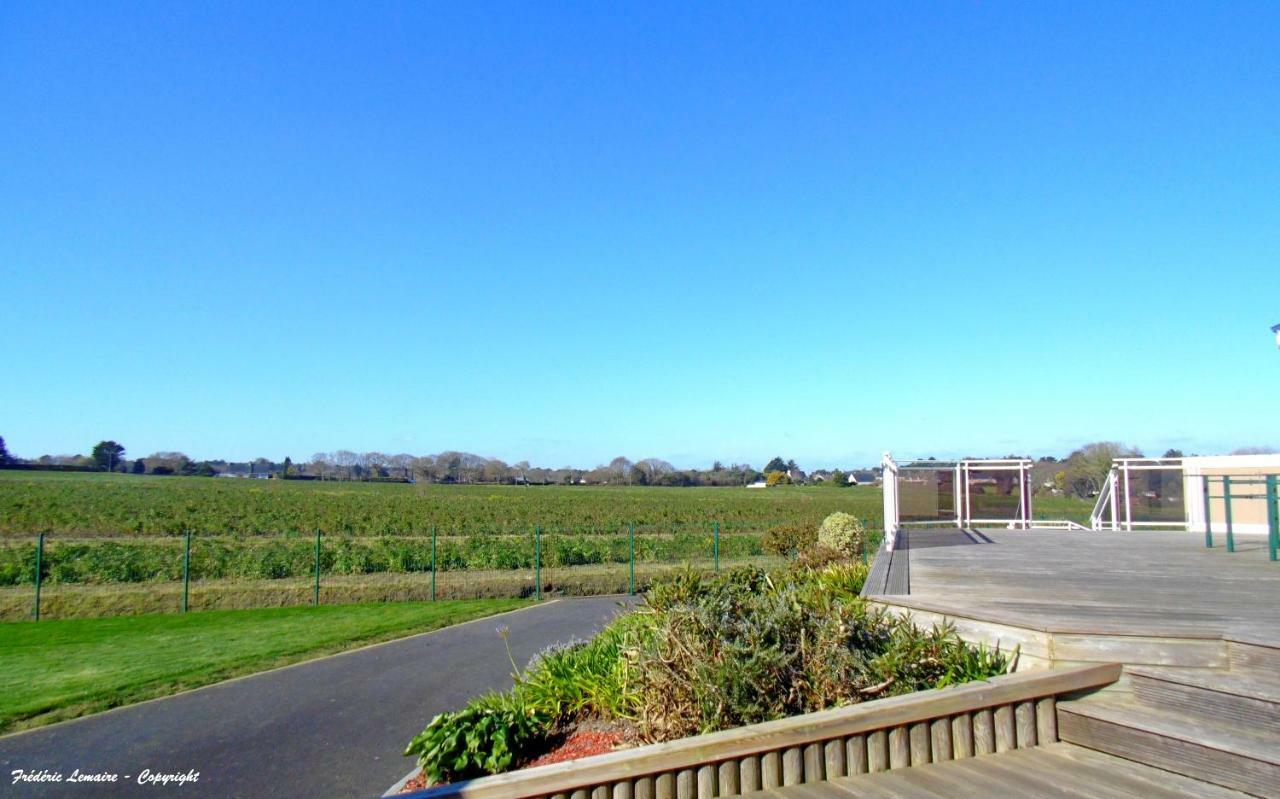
994	494
1155	495
926	494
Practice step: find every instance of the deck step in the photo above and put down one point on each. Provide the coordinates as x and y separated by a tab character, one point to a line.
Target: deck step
1251	700
1059	770
1223	753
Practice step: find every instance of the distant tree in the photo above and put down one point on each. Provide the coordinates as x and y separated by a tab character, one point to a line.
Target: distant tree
717	467
204	469
288	466
107	455
1172	453
621	469
777	477
376	463
402	463
652	469
1087	467
775	465
162	470
4	453
839	478
139	466
792	467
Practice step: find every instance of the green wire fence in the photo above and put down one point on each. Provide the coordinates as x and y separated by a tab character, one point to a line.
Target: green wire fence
106	575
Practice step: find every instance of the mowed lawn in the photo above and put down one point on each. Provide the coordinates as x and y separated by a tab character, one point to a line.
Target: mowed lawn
57	670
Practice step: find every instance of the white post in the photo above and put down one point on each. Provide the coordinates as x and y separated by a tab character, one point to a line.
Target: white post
889	481
1128	509
955	498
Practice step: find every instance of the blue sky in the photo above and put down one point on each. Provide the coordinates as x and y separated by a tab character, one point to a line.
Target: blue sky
562	232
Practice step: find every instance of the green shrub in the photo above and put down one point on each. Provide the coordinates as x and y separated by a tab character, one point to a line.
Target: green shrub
843	533
488	736
708	652
789	539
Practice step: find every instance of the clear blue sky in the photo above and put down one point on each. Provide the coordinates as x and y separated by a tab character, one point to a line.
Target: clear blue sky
567	232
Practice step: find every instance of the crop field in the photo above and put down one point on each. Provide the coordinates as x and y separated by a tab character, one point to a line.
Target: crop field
118	544
132	505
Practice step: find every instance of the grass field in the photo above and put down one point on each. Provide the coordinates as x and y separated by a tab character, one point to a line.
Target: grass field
63	669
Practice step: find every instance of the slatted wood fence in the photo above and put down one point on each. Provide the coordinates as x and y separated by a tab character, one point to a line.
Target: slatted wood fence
1010	712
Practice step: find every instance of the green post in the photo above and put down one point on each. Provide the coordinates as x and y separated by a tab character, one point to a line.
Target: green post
537	561
433	563
631	531
315	597
1226	501
186	573
39	569
715	545
1273	518
1208	527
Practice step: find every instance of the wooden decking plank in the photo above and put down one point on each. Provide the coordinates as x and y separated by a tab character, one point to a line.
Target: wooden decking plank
1143	780
1195	746
898	581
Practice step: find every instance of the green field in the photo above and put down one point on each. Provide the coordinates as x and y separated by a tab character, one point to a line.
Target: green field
112	504
63	669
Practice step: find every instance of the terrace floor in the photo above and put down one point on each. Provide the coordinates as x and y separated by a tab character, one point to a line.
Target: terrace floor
1067	584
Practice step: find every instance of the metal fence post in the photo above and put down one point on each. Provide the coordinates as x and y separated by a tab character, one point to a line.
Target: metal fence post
315	596
1208	527
39	569
537	561
1226	499
1273	517
433	563
715	545
186	573
631	530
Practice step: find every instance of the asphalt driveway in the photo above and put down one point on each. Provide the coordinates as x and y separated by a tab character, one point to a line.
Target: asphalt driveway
333	727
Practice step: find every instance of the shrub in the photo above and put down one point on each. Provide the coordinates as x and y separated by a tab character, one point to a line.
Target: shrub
789	539
488	736
841	532
708	652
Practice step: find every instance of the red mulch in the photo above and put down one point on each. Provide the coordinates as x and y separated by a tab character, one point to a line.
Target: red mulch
581	744
418	783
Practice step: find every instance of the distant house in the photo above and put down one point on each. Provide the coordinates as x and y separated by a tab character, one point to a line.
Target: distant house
863	478
758	484
820	476
254	470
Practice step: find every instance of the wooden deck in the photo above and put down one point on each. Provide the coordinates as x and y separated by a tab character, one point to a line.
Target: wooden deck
1140	584
1058	770
1197	630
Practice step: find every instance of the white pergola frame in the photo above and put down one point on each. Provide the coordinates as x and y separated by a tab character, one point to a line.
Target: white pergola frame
963	497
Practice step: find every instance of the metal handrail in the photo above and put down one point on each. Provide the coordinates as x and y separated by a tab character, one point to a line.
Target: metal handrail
1272	509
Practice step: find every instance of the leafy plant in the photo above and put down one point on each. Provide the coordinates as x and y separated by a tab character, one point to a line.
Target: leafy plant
487	736
843	533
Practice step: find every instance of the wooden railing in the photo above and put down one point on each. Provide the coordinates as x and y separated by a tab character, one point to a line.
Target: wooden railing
1010	712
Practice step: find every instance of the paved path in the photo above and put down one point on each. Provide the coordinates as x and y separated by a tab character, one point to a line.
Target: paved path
333	727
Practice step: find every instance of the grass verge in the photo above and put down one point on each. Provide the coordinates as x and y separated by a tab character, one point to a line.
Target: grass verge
57	670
